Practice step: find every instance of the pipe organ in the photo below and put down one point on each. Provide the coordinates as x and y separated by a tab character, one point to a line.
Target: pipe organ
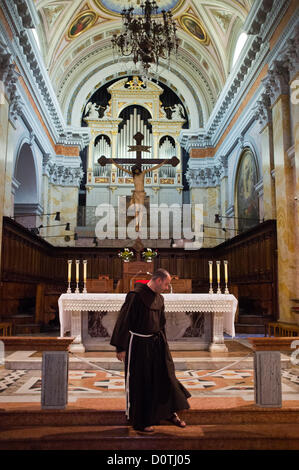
102	147
130	111
167	150
130	127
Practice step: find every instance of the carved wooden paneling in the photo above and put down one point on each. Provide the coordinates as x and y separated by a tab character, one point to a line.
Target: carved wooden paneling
29	260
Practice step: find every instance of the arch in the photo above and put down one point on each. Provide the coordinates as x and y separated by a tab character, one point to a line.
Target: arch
246	200
26	197
165	137
100	136
81	94
144	106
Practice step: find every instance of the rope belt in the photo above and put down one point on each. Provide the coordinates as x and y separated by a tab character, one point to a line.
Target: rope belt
128	371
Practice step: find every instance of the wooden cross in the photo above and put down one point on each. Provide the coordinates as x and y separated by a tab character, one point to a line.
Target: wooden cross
138	161
137	173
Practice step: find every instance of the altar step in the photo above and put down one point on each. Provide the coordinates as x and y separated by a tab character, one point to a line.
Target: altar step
233	429
20	361
250	324
23	323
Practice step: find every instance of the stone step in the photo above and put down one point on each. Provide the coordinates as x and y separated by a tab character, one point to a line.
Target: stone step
249	328
20	361
19	318
27	328
83	417
16	362
244	436
251	319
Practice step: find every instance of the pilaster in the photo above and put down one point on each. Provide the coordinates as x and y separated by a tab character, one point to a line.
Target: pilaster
264	116
278	80
204	182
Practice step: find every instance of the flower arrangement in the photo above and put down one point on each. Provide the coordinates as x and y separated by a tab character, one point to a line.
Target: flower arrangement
149	254
126	255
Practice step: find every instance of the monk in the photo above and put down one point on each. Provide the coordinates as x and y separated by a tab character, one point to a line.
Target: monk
153	392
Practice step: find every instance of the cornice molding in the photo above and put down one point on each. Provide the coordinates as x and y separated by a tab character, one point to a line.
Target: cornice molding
60	174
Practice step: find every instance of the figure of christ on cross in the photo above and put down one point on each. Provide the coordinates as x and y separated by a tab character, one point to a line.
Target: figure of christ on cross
138	197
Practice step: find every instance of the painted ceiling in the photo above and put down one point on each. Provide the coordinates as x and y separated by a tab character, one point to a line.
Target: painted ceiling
75	40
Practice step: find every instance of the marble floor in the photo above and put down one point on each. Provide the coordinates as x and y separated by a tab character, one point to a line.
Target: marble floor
209	379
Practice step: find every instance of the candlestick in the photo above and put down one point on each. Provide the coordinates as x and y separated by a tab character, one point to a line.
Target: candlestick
211	277
69	276
218	277
84	275
226	276
77	276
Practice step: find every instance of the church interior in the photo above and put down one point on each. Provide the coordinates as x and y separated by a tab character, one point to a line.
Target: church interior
209	116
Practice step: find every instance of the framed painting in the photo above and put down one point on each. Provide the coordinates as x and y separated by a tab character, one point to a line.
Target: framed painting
85	20
193	26
246	196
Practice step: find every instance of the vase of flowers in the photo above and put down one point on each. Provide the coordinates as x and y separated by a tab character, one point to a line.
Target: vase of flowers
149	254
126	255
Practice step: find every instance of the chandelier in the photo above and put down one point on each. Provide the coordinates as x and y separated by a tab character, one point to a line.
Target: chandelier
147	37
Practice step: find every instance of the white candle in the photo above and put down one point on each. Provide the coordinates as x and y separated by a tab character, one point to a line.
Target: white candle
77	269
69	274
225	272
84	270
218	271
211	271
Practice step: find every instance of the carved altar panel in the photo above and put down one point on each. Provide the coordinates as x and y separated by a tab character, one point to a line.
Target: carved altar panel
181	285
99	285
131	270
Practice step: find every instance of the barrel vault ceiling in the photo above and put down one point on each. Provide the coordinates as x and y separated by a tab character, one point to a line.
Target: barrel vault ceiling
79	57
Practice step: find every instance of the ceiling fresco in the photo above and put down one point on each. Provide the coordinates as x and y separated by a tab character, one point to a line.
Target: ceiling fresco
116	6
75	39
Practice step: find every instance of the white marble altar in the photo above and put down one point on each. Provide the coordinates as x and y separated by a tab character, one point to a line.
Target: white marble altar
197	318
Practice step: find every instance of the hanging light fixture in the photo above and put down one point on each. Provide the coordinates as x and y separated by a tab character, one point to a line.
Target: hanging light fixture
147	37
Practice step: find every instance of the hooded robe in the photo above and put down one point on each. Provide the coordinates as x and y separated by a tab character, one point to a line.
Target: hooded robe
153	391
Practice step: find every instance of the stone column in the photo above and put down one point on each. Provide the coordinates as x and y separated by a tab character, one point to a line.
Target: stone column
90	155
278	79
4	123
9	110
204	182
294	153
155	144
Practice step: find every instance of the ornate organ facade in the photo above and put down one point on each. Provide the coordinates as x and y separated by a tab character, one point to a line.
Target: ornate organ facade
133	107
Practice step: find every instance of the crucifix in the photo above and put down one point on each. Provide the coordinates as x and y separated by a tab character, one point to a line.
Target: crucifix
138	174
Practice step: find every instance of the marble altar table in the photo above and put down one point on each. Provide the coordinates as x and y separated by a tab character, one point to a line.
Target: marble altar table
195	321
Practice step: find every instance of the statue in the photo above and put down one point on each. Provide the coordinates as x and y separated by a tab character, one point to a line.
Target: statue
92	110
177	112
